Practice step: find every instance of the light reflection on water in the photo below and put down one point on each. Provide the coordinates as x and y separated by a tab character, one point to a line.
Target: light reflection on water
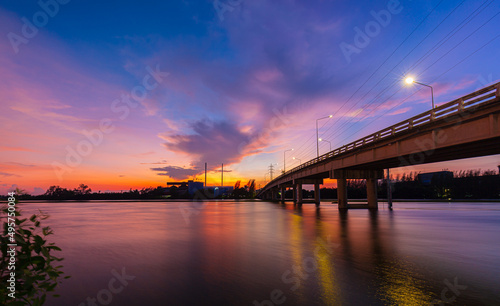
235	253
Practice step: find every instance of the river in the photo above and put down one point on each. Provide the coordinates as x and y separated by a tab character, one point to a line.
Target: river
262	253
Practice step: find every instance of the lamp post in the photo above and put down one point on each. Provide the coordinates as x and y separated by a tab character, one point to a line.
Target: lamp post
321	139
410	80
317	133
284	164
300	161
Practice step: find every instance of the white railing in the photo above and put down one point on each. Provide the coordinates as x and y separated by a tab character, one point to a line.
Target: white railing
466	103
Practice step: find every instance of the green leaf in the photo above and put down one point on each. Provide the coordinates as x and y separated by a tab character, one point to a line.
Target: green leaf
37	260
20	221
53	286
39	240
25	232
19	239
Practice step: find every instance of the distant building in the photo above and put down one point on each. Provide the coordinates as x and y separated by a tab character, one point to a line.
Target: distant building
189	187
440	176
220	191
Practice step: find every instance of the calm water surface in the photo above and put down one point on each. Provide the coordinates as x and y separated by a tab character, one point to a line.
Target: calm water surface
261	253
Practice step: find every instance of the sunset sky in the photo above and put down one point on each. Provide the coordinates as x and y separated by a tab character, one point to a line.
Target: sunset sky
129	94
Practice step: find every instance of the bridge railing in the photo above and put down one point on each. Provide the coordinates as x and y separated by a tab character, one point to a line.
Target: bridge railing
460	105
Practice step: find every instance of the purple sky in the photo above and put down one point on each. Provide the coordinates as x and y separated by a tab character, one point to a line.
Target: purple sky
235	84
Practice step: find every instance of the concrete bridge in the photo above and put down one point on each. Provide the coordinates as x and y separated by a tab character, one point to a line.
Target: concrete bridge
463	128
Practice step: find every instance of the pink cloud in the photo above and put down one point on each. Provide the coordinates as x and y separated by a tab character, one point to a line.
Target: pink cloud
399	111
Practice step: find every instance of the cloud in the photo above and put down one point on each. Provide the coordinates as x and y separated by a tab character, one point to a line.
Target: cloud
62	121
399	111
239	74
176	172
8	174
38	191
214	142
20	164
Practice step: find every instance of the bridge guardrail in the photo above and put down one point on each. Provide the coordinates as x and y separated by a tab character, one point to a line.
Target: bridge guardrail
468	102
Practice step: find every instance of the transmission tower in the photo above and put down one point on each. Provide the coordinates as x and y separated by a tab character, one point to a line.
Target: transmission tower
271	171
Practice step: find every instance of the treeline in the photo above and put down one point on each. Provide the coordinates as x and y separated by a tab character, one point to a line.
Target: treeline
470	184
84	193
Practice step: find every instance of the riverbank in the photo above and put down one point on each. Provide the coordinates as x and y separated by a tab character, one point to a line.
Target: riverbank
141	200
259	200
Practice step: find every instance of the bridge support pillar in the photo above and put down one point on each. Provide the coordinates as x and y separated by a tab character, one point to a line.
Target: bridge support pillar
299	194
342	193
283	190
294	194
389	190
371	177
316	194
371	193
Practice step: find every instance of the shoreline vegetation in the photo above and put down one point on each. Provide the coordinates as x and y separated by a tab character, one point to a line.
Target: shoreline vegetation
445	186
29	265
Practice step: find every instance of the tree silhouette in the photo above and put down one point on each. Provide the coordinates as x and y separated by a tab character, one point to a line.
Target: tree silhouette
82	190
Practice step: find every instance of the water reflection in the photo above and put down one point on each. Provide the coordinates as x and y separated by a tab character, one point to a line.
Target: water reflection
237	253
364	248
330	289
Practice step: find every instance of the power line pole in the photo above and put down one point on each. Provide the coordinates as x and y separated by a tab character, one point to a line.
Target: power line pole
271	170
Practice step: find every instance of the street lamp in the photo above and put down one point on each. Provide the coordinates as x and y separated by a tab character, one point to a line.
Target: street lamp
317	133
410	80
321	139
284	165
300	161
